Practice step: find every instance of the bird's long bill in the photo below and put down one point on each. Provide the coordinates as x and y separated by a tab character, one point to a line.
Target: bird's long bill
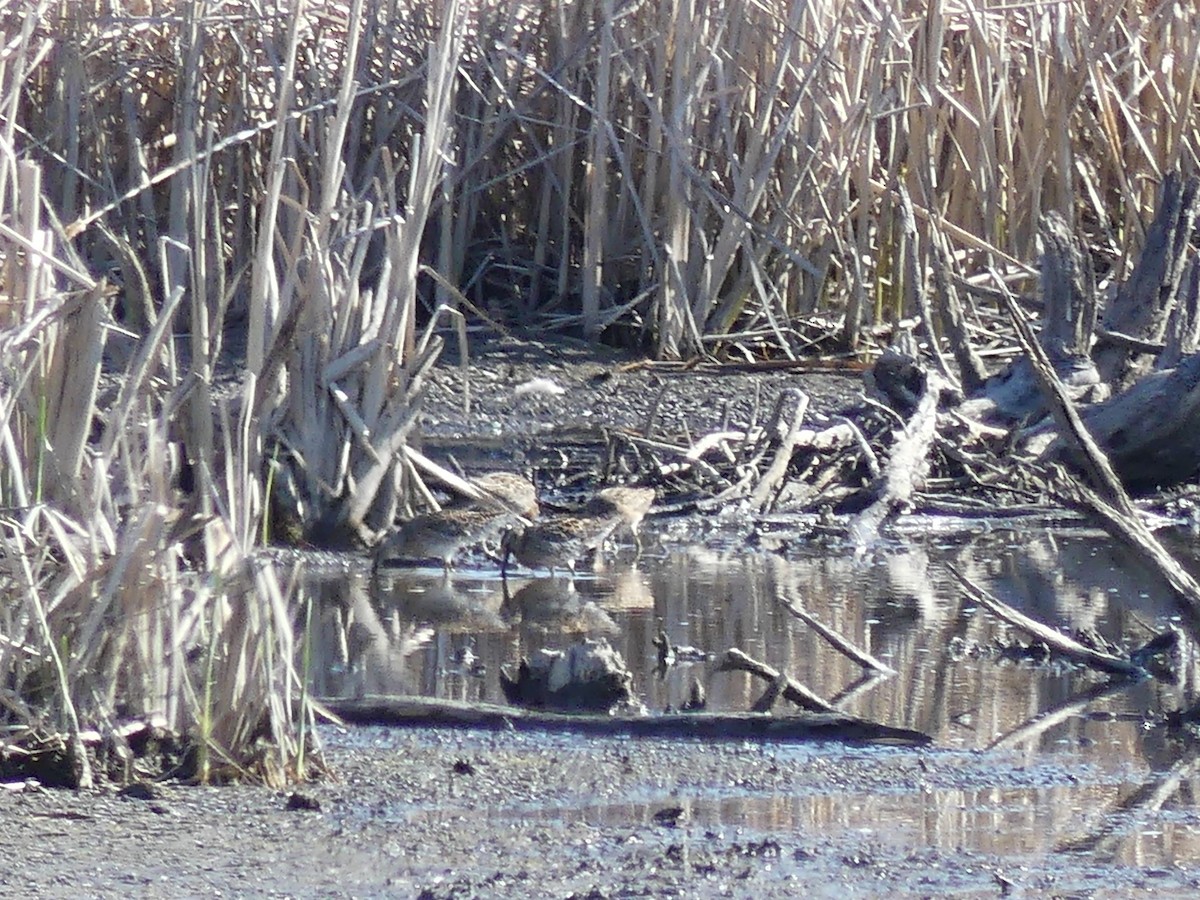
377	557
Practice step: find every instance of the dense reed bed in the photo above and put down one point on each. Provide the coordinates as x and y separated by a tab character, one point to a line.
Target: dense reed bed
329	181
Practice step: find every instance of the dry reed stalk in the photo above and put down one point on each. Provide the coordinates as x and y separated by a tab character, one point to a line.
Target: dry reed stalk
96	547
596	182
113	621
750	142
264	303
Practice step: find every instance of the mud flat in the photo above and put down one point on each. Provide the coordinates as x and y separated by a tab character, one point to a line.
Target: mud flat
438	813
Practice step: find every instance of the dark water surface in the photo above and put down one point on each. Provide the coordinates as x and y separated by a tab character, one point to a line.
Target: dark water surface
1078	755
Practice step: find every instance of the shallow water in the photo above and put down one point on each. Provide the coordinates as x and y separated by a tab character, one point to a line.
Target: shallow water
1067	758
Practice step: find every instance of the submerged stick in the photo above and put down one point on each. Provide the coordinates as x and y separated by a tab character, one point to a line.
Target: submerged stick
862	685
770	697
835	640
1038	725
1149	797
1055	640
1134	534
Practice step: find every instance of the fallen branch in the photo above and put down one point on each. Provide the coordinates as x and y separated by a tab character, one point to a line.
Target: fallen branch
907	467
769	483
771	695
1055	640
735	660
689	457
420	712
835	640
1095	463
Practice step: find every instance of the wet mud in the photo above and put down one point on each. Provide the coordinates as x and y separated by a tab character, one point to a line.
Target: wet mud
437	813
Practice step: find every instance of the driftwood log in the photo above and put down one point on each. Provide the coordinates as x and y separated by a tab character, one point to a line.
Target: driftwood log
1145	303
423	712
1146	349
1057	399
1135	369
1068	319
1150	433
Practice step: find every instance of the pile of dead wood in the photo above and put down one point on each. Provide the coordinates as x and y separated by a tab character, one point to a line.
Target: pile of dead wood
1101	404
935	423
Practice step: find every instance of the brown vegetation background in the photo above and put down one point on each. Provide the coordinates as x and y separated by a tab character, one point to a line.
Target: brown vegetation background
334	176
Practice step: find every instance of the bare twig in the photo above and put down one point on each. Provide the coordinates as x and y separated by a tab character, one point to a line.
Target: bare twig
1055	640
735	660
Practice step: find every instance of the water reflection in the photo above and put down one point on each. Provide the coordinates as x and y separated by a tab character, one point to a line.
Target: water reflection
1003	821
426	632
400	632
554	606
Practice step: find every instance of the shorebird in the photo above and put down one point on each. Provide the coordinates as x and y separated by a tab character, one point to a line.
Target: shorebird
630	504
507	498
441	535
559	541
508	490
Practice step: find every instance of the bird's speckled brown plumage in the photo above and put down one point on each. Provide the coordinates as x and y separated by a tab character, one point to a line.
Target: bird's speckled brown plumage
513	492
558	542
442	535
630	503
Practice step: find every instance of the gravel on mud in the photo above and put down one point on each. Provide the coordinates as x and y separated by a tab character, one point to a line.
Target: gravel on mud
439	813
527	391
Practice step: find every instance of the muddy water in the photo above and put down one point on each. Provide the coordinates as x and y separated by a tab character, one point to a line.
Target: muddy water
1045	757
